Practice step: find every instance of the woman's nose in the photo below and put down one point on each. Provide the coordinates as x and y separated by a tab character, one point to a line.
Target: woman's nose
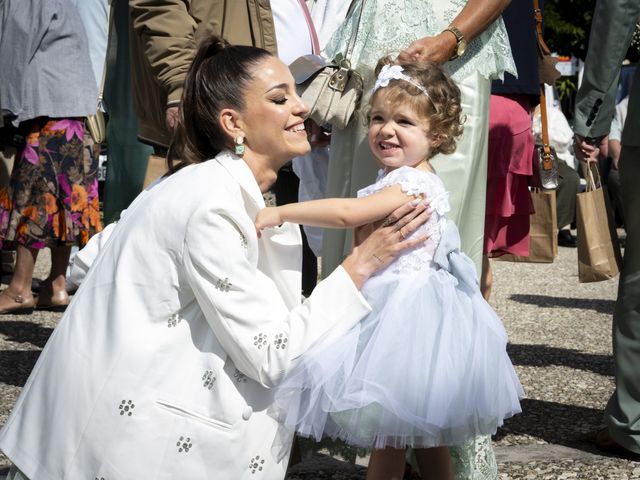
299	107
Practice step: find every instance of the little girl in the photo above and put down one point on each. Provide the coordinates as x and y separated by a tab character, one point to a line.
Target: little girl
428	367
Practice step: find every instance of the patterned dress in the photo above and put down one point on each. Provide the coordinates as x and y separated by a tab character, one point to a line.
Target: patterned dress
53	195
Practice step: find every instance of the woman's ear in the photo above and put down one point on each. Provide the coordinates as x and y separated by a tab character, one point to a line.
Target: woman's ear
231	123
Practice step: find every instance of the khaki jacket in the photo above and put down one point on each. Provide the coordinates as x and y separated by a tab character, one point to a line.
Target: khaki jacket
163	44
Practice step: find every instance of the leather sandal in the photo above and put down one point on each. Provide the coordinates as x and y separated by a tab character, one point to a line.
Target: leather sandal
51	302
22	307
605	443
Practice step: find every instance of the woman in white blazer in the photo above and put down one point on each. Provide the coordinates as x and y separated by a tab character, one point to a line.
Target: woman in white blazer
161	366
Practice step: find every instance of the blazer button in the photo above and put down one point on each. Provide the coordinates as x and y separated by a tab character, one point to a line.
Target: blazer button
246	413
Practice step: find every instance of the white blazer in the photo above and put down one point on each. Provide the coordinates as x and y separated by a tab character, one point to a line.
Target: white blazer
161	366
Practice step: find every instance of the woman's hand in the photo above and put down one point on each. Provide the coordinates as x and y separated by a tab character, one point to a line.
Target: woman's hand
387	242
438	49
267	217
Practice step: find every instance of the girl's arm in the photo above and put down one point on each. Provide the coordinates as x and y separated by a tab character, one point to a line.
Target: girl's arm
336	212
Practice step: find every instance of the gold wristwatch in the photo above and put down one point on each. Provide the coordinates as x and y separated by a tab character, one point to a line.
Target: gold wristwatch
462	43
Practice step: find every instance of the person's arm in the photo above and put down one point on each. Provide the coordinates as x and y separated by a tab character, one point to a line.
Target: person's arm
472	20
336	212
611	30
166	33
242	303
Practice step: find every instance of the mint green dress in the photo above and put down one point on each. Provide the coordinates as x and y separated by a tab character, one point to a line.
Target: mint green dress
386	28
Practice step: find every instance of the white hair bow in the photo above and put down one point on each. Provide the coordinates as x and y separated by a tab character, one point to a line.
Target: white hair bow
394	72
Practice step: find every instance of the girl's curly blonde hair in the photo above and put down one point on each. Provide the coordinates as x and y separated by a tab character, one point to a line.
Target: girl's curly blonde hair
441	108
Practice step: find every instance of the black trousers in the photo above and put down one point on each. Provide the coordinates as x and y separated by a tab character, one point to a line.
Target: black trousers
286	191
566	194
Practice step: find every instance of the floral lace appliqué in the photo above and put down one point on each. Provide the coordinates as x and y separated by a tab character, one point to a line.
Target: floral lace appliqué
389	26
419	184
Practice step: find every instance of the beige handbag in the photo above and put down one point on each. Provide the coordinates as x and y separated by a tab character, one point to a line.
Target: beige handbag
332	90
96	124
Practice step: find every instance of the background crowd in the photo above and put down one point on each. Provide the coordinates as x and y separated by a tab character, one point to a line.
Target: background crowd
131	58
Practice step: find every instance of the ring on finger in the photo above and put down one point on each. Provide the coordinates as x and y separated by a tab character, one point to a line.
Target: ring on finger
401	233
387	221
377	257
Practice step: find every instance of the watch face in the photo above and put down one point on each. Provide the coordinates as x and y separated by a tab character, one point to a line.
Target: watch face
462	46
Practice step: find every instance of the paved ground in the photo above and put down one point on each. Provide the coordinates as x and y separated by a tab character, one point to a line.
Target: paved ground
560	334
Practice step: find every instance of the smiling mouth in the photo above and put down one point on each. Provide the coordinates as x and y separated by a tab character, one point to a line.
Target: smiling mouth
296	128
387	146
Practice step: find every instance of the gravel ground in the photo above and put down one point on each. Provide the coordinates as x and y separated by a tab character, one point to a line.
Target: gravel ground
560	343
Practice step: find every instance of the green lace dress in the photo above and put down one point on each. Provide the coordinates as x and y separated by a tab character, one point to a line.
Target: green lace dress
386	28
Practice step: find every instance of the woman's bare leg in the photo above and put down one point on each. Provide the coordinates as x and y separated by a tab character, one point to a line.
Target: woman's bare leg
20	285
486	278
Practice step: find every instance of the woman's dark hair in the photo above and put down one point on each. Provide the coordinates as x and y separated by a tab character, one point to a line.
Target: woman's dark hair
216	80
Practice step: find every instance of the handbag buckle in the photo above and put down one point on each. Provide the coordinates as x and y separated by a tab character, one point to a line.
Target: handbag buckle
339	79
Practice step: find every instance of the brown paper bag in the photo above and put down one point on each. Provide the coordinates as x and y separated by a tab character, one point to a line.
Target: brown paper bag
599	255
156	167
543	230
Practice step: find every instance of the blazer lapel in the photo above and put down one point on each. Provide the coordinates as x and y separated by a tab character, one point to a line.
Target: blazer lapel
280	248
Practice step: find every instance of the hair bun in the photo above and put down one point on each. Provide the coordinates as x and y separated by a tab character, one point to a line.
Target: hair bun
213	45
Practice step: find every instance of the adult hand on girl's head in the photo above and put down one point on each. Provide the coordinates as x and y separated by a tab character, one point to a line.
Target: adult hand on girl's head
438	49
387	242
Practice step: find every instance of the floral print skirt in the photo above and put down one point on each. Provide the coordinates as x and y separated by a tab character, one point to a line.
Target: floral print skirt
52	198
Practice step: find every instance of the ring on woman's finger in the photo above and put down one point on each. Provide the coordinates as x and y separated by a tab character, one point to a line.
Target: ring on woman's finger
377	257
387	221
401	233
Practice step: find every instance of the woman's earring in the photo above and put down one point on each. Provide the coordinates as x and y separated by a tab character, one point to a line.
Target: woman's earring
239	141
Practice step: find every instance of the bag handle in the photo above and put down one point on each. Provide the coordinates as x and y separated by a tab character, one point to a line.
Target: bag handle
592	175
547	161
352	41
104	67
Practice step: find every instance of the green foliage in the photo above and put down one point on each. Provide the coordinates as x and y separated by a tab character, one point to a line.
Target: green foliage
567	24
566	87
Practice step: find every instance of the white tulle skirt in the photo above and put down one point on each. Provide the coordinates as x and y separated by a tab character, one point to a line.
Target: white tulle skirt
429	367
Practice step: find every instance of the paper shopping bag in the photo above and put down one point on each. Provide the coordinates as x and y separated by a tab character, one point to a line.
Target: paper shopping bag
543	230
599	255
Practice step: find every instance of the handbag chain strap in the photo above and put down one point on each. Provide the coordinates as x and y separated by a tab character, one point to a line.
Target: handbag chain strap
547	160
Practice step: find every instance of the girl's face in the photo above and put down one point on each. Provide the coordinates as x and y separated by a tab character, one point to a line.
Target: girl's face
398	136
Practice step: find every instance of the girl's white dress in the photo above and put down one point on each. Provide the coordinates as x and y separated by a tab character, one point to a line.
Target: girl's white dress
427	367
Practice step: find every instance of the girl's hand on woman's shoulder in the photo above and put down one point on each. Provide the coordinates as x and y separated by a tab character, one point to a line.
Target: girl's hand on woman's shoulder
266	218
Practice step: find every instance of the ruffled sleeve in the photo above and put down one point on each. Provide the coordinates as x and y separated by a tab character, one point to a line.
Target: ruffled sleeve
413	182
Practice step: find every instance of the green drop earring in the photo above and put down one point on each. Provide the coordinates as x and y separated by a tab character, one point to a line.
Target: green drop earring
239	141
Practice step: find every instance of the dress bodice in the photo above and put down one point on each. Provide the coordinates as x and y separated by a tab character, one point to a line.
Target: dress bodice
388	26
429	186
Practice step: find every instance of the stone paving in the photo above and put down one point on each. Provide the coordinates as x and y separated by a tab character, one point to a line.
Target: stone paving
560	343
